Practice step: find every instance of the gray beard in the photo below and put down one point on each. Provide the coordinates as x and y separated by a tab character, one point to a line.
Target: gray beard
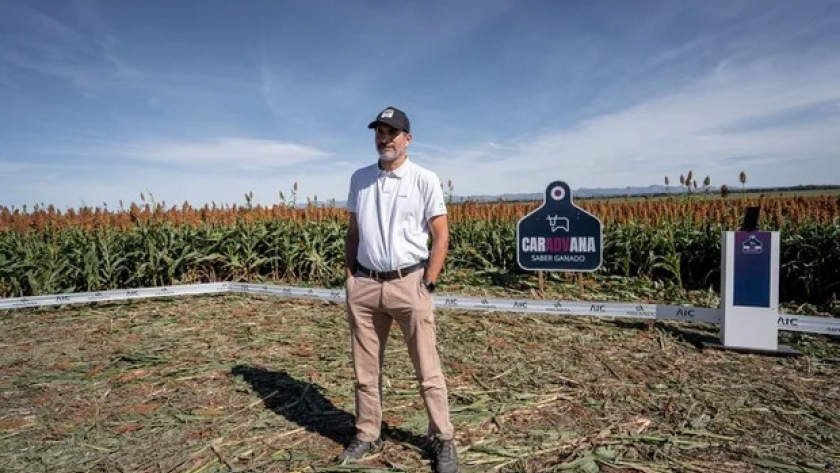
384	156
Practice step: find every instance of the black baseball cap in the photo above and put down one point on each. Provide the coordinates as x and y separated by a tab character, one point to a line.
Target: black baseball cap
392	117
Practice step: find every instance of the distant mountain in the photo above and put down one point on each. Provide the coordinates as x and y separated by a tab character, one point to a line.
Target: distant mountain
640	191
576	193
630	191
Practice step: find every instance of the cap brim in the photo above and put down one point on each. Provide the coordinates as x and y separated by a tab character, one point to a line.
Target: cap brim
392	124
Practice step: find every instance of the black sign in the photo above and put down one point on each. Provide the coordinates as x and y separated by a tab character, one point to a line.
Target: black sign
559	236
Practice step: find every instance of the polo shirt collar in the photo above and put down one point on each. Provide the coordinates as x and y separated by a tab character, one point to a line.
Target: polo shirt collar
401	171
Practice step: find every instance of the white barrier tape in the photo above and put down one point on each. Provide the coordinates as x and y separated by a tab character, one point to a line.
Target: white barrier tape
288	291
809	324
644	311
112	295
531	306
689	314
787	322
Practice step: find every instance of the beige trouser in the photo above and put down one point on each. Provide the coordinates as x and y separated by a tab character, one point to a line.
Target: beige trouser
371	307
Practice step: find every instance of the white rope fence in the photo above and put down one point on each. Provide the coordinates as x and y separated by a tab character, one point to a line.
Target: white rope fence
787	322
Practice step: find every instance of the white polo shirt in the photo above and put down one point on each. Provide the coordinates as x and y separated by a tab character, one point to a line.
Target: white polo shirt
393	209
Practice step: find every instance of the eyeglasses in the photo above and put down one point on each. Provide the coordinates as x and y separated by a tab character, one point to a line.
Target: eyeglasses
390	132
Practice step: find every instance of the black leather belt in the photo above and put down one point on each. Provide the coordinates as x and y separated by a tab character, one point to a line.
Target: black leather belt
389	275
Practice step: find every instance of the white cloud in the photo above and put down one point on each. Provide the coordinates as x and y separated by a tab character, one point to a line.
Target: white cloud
83	55
221	170
233	151
708	125
9	167
268	89
171	187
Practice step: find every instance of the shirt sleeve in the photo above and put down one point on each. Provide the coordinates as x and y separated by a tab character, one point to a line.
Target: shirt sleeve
433	199
351	195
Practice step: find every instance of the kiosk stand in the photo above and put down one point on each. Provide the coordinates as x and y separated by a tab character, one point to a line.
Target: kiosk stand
750	290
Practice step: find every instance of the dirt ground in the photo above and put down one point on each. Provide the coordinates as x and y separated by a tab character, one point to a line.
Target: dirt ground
260	384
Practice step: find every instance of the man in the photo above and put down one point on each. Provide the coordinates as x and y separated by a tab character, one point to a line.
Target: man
394	206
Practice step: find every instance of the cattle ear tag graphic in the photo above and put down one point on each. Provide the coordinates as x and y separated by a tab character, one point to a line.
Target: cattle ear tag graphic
559	235
753	246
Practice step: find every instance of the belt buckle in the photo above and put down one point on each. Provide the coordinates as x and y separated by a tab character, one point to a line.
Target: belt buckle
389	275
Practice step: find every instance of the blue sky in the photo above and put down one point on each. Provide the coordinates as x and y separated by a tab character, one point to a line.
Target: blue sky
204	101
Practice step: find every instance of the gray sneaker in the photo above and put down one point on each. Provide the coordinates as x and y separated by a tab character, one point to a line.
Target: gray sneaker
445	456
358	449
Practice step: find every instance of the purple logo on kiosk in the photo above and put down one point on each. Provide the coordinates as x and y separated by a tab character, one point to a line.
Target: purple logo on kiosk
753	246
751	269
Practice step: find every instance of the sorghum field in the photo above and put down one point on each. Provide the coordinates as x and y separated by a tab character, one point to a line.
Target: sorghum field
675	241
236	383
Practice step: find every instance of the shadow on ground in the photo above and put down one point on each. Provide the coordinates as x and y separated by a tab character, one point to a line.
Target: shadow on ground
301	402
694	337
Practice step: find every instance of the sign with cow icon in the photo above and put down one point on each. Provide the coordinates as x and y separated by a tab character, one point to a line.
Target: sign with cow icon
559	235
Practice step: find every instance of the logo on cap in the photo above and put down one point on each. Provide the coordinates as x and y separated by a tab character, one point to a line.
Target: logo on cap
388	113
